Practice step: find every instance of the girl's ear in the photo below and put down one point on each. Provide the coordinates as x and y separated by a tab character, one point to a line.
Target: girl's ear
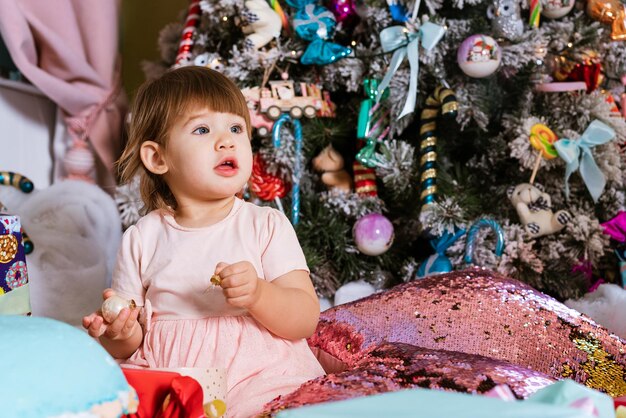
151	155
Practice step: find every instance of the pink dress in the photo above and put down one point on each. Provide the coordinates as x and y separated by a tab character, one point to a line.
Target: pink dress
166	268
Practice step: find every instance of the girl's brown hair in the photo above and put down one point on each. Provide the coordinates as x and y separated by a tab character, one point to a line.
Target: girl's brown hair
157	106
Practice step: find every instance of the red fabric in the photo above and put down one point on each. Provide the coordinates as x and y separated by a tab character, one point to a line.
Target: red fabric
621	401
152	386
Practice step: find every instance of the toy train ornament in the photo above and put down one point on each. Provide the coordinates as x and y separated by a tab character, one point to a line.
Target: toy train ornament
281	97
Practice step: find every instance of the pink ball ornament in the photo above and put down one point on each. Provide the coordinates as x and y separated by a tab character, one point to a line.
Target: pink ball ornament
344	11
79	162
373	234
479	56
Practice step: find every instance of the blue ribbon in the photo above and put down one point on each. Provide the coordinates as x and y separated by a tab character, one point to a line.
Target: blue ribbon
439	262
397	10
405	43
577	155
297	170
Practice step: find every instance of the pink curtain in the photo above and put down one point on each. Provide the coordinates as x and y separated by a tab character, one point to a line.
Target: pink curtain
69	50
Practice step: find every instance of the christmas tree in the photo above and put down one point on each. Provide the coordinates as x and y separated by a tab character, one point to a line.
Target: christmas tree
376	120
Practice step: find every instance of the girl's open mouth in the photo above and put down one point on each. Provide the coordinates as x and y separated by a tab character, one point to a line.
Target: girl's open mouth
227	167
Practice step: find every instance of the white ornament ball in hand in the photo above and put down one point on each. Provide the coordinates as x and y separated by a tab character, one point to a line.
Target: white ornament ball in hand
479	56
373	234
112	306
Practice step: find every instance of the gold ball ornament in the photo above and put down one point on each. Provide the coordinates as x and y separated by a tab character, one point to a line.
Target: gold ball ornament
112	306
610	12
214	409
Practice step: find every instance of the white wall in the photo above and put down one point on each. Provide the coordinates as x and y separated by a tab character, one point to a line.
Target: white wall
27	129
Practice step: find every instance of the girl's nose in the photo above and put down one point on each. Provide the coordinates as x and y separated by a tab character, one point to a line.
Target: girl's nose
225	142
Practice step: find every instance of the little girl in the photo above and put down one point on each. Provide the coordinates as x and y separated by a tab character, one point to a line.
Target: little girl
190	140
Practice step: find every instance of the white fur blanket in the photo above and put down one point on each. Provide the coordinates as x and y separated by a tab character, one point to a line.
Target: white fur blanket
606	306
76	230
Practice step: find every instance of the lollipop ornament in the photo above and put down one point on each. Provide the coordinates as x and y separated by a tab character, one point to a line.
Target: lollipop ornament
542	139
470	244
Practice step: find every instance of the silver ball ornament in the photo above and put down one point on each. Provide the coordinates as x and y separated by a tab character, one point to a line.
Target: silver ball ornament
112	306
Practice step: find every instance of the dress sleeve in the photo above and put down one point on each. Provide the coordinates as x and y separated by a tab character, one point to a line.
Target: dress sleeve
127	272
282	252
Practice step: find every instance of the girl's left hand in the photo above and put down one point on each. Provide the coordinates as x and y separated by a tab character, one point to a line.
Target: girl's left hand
240	283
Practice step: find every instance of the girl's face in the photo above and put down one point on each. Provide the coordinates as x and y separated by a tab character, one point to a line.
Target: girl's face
208	156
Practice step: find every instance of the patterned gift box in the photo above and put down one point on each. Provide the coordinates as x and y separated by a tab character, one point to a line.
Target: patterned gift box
14	295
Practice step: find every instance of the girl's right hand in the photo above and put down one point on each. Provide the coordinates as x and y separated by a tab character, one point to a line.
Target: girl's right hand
120	329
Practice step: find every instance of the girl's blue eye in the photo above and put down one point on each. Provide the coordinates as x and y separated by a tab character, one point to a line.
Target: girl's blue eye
236	129
201	130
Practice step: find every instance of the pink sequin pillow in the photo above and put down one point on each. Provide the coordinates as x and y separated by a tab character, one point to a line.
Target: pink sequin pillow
394	366
483	313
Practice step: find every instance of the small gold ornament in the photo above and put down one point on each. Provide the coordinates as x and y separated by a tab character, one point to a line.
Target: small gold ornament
216	280
113	305
8	248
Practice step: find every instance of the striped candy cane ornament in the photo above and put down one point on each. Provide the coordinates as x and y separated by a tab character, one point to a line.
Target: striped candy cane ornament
470	243
441	100
275	5
535	13
297	169
183	57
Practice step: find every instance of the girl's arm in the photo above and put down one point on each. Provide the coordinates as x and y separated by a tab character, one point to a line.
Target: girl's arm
286	306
